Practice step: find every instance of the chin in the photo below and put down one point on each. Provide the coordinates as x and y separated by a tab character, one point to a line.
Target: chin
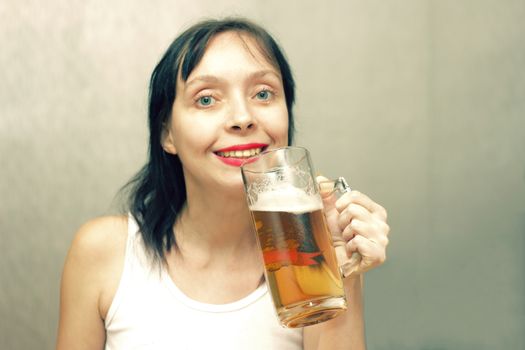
231	183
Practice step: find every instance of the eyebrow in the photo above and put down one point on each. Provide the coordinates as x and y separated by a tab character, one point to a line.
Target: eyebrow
262	73
203	78
215	80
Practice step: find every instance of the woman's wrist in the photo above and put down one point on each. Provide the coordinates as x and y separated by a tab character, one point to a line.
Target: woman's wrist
353	284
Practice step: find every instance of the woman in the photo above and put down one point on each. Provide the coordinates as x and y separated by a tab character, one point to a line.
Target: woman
182	271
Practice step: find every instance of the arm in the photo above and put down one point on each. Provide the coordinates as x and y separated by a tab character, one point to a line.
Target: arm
358	225
87	287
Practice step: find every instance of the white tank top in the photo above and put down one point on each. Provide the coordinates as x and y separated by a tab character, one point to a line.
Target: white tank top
150	312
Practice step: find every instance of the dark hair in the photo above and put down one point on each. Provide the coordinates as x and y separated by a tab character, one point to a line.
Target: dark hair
158	192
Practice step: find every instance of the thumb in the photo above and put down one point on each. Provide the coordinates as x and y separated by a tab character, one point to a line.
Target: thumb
326	190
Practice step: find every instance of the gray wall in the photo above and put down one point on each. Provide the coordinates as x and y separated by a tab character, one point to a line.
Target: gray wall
420	103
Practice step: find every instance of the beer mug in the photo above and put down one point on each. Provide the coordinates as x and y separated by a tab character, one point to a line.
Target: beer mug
301	266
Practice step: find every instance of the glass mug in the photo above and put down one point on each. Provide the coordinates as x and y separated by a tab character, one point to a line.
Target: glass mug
300	261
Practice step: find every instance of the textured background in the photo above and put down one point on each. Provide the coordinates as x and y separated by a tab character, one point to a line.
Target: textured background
420	103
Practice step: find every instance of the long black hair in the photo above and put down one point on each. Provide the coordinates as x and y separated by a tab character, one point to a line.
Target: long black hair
158	192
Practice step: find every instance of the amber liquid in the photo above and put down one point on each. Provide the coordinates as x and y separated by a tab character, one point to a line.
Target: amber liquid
301	266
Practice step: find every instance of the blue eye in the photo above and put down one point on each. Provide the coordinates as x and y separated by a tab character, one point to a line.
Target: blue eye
205	101
263	95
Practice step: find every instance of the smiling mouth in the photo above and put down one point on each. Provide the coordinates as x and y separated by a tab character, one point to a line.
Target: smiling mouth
247	153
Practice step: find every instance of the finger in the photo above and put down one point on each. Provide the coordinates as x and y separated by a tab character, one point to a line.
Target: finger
362	199
372	254
348	233
325	184
358	227
369	250
384	227
326	191
353	211
344	201
351	265
376	231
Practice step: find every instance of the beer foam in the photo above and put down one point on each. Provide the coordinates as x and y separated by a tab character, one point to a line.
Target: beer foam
287	198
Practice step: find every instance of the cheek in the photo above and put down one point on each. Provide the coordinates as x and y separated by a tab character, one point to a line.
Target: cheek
281	132
277	125
193	137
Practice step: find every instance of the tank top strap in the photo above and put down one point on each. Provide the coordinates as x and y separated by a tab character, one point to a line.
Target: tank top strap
133	256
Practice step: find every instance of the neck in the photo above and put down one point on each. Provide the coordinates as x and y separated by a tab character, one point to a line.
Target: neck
215	225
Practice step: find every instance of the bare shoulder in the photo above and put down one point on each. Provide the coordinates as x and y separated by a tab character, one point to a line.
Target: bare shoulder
96	258
99	237
98	245
90	279
99	249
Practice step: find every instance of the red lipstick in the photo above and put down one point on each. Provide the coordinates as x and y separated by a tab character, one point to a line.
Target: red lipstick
242	147
238	161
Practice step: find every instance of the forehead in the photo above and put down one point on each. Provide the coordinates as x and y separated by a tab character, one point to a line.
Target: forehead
233	50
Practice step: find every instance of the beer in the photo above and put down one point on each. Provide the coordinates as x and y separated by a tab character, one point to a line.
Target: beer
301	266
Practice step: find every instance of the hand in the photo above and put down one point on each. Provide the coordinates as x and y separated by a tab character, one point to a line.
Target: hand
359	230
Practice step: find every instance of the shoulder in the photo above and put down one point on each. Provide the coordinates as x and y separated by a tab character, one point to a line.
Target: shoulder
98	241
96	238
97	254
90	279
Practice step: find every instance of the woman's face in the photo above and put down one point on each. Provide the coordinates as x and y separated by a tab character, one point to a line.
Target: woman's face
232	106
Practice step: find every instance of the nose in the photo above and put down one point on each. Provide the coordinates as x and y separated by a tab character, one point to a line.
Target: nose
241	123
241	119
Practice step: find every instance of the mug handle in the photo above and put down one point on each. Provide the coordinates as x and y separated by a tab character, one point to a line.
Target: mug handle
339	187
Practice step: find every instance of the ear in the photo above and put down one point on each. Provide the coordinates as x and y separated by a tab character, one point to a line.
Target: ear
167	140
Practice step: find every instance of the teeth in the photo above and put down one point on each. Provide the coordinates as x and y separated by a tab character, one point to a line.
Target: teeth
241	154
